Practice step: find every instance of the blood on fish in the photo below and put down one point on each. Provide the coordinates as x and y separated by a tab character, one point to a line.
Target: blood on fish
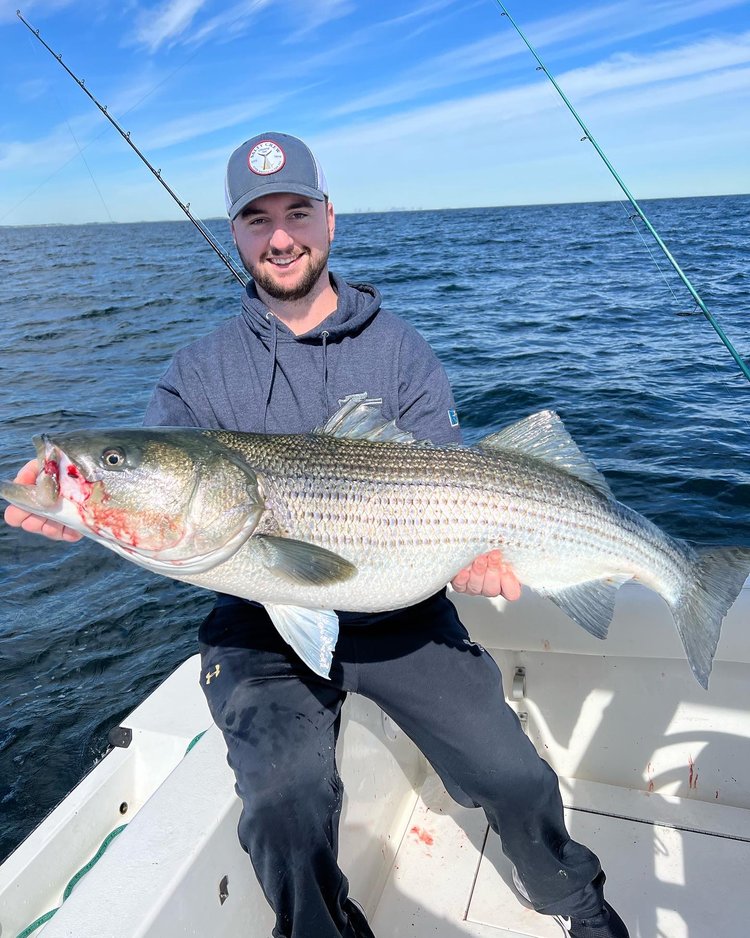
146	531
51	467
73	472
116	521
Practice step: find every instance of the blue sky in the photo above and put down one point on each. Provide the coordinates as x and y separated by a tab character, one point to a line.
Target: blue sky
427	104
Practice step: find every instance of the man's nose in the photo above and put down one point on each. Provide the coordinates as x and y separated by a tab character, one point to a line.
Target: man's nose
281	240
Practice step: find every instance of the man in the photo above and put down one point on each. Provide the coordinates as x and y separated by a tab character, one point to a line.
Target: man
305	340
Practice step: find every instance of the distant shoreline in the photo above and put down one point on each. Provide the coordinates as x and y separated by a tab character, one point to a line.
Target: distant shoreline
394	210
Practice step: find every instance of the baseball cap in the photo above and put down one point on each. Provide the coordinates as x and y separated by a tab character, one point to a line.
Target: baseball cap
268	163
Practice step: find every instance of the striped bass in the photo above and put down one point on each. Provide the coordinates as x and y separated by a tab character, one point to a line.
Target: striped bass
357	516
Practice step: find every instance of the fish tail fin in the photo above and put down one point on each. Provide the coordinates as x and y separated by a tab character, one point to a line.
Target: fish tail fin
715	582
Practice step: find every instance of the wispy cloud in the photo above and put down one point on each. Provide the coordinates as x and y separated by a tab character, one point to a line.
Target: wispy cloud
54	148
586	27
421	13
32	89
179	21
165	23
630	70
429	102
227	25
708	65
41	8
320	13
199	124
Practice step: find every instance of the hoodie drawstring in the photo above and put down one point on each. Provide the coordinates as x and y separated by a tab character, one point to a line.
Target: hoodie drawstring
324	335
272	373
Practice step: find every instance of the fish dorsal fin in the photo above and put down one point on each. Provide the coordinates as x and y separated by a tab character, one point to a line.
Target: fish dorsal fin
361	418
543	436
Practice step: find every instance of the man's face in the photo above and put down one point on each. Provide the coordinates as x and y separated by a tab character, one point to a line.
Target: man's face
284	241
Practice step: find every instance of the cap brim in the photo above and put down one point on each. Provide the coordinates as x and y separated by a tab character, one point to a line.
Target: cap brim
271	188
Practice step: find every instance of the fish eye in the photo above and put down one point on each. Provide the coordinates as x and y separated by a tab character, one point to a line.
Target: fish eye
113	458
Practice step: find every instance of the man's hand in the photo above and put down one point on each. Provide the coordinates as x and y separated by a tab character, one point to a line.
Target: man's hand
488	576
35	524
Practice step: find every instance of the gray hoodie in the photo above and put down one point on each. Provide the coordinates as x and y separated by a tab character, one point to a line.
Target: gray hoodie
254	374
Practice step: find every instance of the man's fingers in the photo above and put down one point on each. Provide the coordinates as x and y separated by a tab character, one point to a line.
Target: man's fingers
460	580
27	474
500	579
477	573
14	516
510	587
35	524
488	575
493	581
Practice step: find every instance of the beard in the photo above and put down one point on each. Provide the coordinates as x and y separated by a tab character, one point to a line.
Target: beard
265	281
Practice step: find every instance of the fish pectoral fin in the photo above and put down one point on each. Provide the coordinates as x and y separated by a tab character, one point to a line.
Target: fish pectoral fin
312	633
590	604
543	436
304	563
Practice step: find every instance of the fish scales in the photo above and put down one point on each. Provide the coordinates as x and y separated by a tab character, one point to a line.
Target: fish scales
381	506
358	498
357	517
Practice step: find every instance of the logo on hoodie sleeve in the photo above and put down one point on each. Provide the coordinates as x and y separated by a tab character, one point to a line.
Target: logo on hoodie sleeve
453	417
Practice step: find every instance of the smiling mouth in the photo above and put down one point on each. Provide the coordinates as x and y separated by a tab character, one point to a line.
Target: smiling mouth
283	262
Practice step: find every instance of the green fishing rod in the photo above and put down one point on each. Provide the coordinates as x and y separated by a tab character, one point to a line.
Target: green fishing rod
225	257
641	214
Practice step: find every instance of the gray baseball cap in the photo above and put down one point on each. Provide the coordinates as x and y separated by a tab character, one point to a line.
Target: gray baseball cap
268	163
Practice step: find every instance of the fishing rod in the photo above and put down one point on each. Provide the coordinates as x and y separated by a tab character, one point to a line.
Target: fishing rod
641	214
224	256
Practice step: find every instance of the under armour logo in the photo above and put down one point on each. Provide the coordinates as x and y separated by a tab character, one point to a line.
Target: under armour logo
210	675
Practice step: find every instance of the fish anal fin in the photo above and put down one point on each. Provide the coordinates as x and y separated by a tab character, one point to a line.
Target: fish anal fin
590	604
312	633
543	436
304	563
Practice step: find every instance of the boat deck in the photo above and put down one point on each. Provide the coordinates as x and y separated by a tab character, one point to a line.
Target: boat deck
653	773
664	858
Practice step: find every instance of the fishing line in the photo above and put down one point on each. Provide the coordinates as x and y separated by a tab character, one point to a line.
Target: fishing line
649	250
101	133
223	255
67	162
80	151
85	163
641	214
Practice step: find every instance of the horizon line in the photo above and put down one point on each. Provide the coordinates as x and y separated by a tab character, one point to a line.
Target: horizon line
395	210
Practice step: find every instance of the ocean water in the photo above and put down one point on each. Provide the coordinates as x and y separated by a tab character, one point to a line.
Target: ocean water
532	307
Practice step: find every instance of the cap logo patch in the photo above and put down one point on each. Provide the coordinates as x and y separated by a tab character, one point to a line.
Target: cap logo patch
266	158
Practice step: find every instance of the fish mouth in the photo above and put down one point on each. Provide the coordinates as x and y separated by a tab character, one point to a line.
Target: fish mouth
47	493
59	476
49	457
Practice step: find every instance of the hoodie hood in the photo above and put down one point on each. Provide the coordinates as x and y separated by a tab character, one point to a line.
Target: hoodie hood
357	304
253	374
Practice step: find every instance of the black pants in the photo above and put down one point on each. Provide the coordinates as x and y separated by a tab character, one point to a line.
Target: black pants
280	722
